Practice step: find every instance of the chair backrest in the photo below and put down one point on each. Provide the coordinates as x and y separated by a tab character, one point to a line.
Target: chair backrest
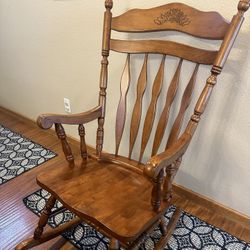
176	17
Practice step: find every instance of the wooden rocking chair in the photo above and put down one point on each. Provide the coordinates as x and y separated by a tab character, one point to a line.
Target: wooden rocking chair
121	197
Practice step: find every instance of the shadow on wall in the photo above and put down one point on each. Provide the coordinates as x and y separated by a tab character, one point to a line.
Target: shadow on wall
229	107
222	168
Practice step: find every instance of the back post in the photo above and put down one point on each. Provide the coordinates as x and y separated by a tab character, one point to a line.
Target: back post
219	63
104	74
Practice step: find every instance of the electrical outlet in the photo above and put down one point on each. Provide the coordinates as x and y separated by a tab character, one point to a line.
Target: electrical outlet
67	106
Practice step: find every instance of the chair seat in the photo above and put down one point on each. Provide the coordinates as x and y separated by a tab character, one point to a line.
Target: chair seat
113	198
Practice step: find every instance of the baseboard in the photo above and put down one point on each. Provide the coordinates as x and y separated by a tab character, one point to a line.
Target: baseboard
212	205
18	115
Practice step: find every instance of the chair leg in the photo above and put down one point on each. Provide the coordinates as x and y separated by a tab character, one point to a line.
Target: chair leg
40	227
114	244
163	227
44	217
168	230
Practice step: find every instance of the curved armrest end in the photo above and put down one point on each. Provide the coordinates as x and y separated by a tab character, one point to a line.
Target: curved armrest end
162	160
44	122
149	170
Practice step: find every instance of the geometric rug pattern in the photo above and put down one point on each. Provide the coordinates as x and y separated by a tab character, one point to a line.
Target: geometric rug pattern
190	233
19	154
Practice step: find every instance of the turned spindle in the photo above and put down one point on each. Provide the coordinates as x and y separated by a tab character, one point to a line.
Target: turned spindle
65	145
83	147
104	74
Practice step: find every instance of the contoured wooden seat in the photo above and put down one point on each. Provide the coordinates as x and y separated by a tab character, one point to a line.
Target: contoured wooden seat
121	196
122	213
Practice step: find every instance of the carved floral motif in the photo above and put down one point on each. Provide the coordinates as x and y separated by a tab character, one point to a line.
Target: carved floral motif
173	16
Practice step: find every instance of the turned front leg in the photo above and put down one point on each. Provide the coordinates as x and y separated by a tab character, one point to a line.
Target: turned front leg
44	217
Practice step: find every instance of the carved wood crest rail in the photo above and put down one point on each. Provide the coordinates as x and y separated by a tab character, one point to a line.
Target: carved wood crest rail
173	16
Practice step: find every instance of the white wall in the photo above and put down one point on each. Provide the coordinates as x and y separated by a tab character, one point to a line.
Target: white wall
51	49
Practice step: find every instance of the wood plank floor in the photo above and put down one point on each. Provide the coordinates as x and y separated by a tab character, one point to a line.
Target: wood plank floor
17	222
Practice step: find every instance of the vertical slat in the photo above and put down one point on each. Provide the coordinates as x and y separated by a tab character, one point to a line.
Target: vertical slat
136	117
165	113
104	74
121	111
83	147
149	120
186	99
65	145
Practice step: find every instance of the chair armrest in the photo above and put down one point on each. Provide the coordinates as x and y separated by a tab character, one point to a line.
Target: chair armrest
166	158
46	121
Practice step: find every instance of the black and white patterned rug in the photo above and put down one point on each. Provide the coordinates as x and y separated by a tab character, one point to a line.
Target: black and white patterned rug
190	233
19	154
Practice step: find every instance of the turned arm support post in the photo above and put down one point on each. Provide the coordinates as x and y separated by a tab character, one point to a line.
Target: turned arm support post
46	121
154	169
83	146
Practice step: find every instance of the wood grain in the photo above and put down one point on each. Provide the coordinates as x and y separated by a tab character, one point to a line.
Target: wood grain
231	34
186	99
180	50
160	161
104	74
115	196
13	213
122	202
173	16
121	110
169	230
213	206
65	145
137	111
165	113
83	147
150	115
46	121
